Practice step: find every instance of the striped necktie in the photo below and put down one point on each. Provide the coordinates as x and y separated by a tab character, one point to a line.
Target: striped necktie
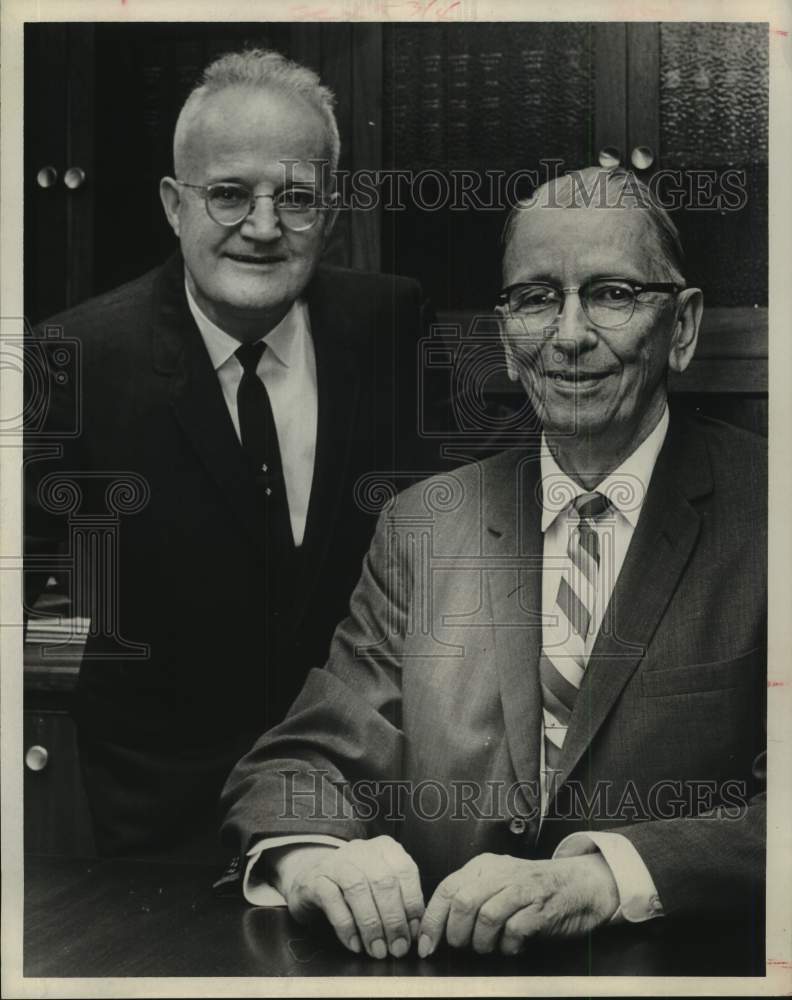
561	667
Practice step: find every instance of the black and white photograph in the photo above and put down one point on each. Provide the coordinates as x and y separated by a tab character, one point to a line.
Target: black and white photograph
389	600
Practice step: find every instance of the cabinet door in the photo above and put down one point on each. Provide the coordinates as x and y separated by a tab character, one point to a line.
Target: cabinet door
470	111
686	106
57	820
697	109
58	167
45	153
713	119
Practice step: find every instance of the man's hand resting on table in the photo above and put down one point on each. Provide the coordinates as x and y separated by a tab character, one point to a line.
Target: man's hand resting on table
369	890
499	901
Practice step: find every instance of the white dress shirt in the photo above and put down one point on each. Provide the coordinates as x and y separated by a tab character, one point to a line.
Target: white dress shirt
626	488
288	370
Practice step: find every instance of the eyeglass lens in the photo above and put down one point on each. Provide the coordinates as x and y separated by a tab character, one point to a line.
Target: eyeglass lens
229	204
606	303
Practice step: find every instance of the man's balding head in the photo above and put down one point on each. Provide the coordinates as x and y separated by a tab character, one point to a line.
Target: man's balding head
601	188
256	70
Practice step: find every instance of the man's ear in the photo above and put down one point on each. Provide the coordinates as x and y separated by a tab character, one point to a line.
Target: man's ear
170	196
511	364
690	306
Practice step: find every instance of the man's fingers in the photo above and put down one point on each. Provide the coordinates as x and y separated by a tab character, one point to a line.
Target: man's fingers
323	894
409	878
520	925
511	944
388	898
480	881
357	892
434	919
492	916
464	909
385	862
456	903
370	892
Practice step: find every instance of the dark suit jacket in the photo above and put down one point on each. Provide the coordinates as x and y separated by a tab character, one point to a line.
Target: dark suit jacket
433	678
195	649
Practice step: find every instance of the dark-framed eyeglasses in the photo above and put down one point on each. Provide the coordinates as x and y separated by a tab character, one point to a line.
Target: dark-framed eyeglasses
608	302
229	203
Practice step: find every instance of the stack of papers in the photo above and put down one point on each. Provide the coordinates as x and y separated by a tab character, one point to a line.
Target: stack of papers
57	630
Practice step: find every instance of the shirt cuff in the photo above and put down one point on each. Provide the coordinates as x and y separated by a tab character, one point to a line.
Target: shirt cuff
638	897
255	888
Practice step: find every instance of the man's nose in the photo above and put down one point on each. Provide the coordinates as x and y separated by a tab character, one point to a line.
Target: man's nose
573	327
262	222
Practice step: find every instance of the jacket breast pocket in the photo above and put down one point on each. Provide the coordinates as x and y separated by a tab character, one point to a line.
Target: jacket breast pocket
696	678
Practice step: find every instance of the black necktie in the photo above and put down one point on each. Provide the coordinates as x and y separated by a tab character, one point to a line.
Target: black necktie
257	428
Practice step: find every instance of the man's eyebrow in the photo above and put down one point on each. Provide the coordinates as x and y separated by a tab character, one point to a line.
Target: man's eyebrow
624	273
224	179
544	277
286	185
540	278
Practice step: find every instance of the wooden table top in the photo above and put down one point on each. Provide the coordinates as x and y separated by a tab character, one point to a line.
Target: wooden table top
135	918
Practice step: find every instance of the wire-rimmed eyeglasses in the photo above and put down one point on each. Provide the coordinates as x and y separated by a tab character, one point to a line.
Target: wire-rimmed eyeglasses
229	203
608	302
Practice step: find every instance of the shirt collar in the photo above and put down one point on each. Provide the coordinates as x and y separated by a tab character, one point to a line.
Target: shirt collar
625	487
282	340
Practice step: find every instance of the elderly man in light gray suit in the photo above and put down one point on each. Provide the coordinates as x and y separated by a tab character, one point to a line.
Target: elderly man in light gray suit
557	654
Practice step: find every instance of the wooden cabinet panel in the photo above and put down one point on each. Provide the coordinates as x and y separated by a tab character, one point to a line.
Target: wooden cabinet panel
57	820
45	147
468	111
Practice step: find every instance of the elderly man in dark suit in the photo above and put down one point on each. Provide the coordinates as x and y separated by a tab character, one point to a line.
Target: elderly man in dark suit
230	401
546	703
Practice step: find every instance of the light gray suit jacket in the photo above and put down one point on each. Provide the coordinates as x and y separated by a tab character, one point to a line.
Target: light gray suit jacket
433	680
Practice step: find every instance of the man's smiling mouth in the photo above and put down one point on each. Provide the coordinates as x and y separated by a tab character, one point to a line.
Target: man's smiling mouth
577	379
256	259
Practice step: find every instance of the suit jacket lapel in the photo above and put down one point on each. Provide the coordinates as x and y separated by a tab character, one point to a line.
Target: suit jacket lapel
513	543
338	386
197	399
660	548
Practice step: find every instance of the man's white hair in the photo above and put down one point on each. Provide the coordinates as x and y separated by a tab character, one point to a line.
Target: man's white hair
258	69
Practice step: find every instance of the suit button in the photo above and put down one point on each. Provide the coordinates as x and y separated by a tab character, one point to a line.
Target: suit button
517	826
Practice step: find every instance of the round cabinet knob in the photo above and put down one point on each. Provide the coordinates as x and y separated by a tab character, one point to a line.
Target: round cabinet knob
517	826
642	157
36	758
609	156
46	177
74	178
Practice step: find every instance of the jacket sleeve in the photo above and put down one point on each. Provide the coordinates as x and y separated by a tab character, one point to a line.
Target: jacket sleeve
713	864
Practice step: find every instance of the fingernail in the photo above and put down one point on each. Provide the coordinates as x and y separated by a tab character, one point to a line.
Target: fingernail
378	949
399	947
424	946
415	923
354	944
